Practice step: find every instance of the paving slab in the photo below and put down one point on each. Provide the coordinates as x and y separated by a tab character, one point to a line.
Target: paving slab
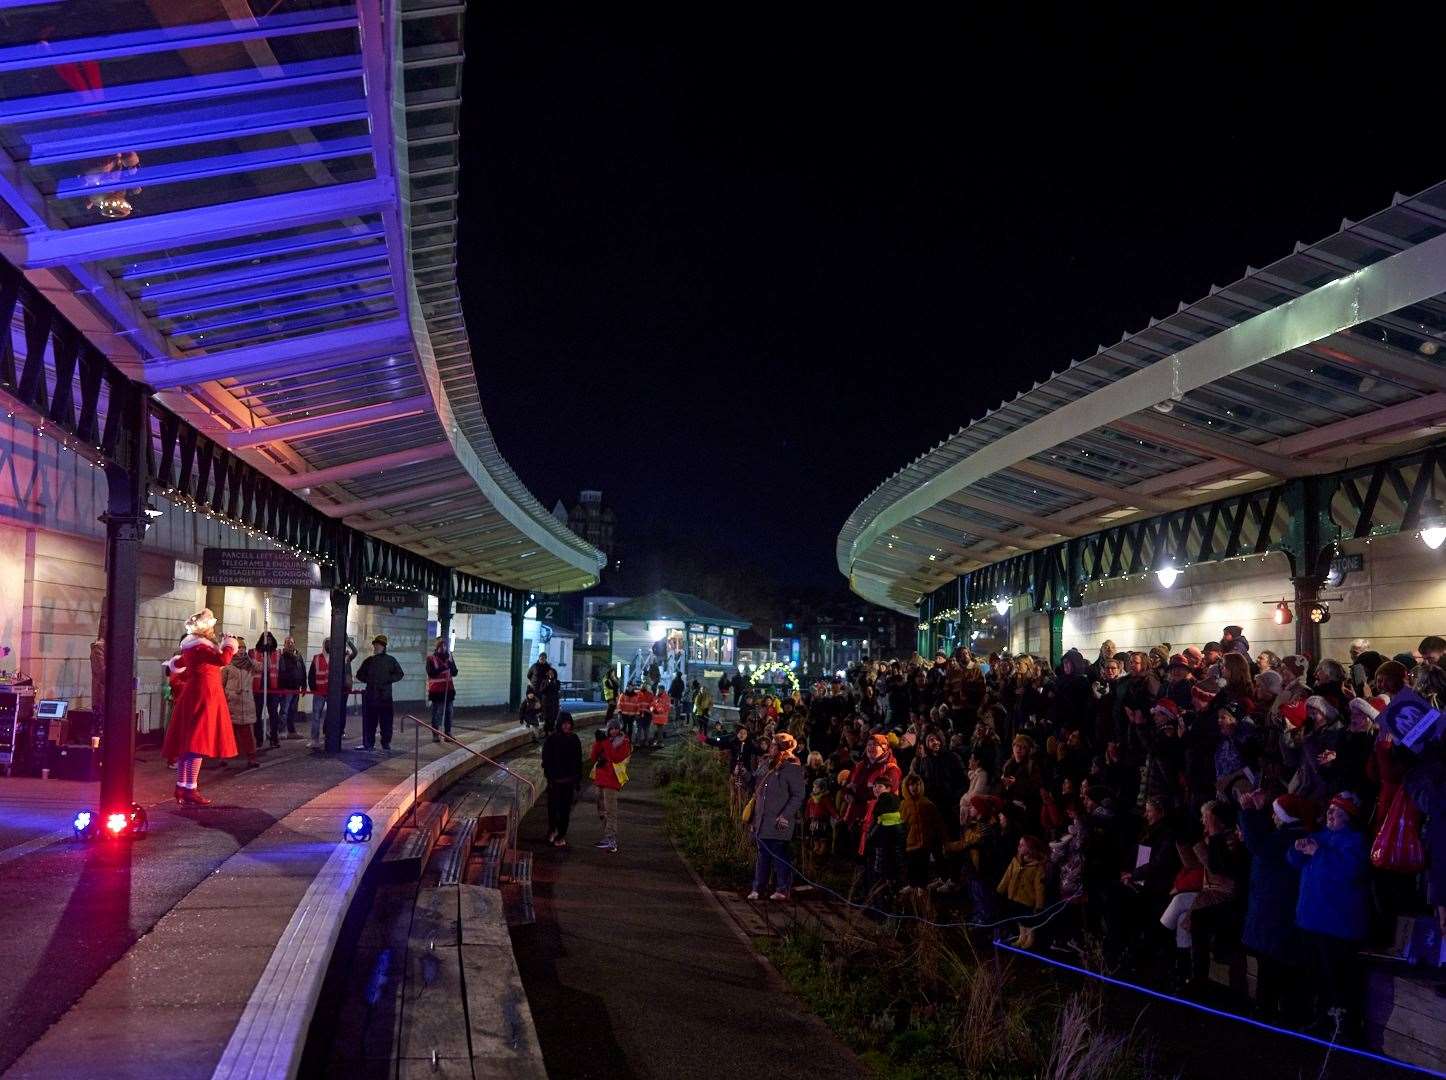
100	930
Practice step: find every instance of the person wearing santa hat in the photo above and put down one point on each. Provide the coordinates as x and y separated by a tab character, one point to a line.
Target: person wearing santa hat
1333	912
200	722
1270	829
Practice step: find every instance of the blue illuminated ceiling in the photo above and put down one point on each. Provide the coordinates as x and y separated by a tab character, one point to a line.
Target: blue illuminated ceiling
252	207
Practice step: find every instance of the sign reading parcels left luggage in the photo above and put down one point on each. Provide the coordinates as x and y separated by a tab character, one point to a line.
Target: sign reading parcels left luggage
238	566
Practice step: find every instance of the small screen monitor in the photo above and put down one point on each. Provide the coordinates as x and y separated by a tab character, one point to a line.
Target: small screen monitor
51	710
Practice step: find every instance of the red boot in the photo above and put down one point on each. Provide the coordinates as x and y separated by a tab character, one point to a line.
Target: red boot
180	794
194	798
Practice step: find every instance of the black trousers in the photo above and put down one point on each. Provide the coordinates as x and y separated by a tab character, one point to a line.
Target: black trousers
374	713
270	715
559	806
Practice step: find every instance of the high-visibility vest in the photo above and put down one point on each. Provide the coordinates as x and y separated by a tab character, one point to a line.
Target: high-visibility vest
322	662
628	703
269	663
439	684
662	705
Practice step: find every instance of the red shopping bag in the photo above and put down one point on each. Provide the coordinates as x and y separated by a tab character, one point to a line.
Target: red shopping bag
1398	845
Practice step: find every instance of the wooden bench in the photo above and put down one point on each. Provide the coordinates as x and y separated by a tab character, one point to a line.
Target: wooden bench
413	842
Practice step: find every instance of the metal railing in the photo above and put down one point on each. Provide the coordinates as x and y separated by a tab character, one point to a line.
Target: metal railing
514	816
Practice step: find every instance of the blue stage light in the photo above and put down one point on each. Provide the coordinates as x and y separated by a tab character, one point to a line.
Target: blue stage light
82	824
358	829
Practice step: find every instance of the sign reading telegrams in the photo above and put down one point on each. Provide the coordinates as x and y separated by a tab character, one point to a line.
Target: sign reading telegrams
238	566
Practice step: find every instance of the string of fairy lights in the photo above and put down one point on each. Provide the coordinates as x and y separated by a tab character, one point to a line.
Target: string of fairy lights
183	501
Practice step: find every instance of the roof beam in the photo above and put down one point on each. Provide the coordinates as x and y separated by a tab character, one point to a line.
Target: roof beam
1218	444
182	228
289	356
925	539
1072	482
1357	351
454	505
130	43
399	498
207	168
336	474
247	81
328	423
1009	513
943	517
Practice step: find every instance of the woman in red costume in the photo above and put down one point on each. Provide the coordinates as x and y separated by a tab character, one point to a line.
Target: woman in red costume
200	722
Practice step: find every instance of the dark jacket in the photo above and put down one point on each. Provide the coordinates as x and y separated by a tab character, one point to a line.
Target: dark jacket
1274	886
562	758
379	671
291	671
779	794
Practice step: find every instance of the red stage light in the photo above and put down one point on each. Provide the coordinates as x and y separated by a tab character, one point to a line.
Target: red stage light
117	823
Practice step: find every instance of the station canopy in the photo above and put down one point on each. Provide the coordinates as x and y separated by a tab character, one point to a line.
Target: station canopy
1329	358
252	208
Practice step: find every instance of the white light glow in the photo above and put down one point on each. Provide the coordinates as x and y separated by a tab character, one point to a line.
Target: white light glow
1434	536
1001	606
1167	574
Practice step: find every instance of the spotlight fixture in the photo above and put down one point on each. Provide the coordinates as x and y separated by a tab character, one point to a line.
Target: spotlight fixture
1432	524
1319	613
358	829
1167	574
83	824
90	825
153	511
1001	605
1282	616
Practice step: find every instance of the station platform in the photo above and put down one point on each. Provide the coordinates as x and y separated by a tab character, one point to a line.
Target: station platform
138	958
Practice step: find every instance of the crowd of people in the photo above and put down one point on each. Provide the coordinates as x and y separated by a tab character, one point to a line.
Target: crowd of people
1156	809
230	701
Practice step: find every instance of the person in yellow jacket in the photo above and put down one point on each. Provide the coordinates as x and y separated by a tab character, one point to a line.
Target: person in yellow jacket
1022	885
702	706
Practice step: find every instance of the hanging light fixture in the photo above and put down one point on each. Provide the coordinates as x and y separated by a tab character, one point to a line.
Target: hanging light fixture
1432	523
1319	613
1168	574
1001	605
1282	616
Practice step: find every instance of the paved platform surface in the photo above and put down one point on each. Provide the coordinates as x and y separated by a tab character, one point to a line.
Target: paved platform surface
631	971
111	946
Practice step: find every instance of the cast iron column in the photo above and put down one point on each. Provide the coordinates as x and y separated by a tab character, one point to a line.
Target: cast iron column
125	528
336	659
514	693
444	611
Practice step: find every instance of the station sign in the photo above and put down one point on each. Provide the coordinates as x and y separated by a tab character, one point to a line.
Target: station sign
372	596
549	608
1342	565
275	569
473	609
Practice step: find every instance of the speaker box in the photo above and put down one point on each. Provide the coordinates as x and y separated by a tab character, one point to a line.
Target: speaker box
75	762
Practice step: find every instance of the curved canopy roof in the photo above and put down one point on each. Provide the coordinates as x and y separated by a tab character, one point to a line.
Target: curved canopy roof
1332	356
252	208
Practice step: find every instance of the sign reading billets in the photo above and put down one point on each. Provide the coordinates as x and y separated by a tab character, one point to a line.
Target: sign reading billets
239	566
392	598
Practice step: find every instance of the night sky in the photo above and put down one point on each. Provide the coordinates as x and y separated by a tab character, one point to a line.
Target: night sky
735	275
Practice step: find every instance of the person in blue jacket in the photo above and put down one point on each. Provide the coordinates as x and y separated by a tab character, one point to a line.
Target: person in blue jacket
1333	911
1270	830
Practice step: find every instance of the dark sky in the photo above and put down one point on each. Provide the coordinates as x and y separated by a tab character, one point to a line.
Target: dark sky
736	274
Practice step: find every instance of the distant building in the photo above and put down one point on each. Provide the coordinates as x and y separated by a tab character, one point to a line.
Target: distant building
590	519
674	632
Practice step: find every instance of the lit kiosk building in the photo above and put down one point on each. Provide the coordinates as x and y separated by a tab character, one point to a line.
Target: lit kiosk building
675	632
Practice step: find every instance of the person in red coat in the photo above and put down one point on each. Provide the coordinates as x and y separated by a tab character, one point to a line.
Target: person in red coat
200	721
878	766
609	759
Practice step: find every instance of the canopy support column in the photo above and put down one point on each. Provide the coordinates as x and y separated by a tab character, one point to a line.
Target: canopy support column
336	696
125	528
514	693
